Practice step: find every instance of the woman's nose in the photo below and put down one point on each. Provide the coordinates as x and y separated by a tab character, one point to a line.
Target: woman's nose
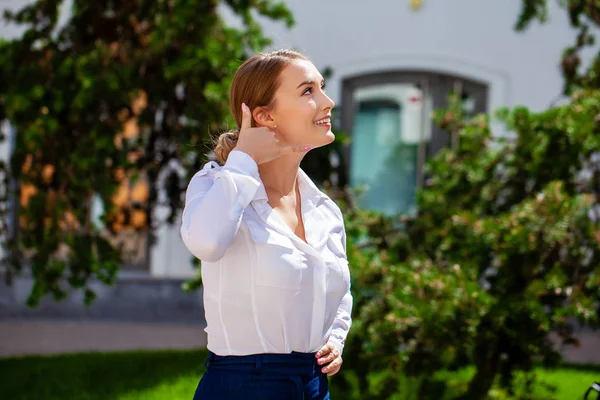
328	104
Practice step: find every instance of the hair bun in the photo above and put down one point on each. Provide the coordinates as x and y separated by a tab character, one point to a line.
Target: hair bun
226	142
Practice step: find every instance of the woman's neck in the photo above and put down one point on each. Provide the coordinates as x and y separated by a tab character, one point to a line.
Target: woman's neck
279	176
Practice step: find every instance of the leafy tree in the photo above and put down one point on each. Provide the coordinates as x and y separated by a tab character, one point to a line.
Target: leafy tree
124	91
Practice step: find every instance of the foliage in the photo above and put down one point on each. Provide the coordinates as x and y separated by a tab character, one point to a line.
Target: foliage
505	248
122	92
584	15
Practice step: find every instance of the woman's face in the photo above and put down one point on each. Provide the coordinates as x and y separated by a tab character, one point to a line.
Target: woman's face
302	111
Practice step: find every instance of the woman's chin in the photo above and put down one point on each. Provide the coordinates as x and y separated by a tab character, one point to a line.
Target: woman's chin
330	137
323	141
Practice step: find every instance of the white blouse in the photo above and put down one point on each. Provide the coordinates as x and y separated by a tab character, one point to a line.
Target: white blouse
265	289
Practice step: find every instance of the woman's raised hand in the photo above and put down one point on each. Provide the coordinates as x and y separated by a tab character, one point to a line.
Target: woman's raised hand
261	143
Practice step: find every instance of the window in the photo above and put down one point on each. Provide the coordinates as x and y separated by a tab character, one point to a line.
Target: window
388	118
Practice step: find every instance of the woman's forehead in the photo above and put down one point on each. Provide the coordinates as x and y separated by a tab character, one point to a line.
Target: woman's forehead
297	72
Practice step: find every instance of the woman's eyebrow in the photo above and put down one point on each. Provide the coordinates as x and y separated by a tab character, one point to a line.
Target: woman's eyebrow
306	83
309	83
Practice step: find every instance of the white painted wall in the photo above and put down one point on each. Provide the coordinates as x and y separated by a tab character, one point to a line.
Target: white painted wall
5	150
472	37
10	31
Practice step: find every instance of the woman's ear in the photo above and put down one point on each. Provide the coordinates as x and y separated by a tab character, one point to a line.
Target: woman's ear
262	116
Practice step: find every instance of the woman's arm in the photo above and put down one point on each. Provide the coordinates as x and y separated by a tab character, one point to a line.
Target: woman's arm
328	358
214	203
342	322
343	319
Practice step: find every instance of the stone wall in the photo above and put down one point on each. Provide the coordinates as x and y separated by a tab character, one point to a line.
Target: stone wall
135	298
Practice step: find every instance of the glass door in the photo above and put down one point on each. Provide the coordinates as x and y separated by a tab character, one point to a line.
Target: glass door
388	117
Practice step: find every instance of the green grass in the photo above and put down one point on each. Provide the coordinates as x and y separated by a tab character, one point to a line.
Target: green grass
571	382
566	383
173	375
148	375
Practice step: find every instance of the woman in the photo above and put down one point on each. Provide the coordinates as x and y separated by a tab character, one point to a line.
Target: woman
273	246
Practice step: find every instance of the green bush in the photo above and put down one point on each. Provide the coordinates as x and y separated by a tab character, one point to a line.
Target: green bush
505	247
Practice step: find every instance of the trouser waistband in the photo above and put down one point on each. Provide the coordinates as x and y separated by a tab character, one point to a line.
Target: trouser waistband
300	362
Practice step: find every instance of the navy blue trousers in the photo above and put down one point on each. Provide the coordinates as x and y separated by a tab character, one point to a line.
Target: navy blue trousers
295	376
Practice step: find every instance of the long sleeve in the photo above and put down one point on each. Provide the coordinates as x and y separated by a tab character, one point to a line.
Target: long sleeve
343	318
342	322
214	203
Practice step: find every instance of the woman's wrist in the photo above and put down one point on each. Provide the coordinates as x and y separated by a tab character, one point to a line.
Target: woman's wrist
241	162
243	149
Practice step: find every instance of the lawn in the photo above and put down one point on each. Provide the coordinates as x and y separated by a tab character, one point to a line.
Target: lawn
149	375
173	375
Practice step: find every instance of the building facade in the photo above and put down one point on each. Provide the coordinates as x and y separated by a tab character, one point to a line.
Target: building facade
392	62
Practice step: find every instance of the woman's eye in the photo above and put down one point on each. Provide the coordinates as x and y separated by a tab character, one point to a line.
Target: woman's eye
309	90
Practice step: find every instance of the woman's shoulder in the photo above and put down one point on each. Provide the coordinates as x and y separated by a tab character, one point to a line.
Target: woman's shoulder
203	179
208	170
332	206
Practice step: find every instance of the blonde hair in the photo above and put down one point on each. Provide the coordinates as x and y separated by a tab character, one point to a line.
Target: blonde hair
254	83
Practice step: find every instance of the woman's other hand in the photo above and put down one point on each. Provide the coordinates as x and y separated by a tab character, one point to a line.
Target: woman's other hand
330	359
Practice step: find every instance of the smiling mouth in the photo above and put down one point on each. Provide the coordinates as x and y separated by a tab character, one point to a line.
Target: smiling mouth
323	121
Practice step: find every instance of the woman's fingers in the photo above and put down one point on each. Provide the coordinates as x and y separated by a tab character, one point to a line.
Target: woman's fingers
326	349
325	359
261	143
246	117
330	358
333	367
293	149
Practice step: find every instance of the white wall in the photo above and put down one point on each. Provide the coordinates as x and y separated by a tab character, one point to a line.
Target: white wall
473	37
10	31
169	258
5	150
